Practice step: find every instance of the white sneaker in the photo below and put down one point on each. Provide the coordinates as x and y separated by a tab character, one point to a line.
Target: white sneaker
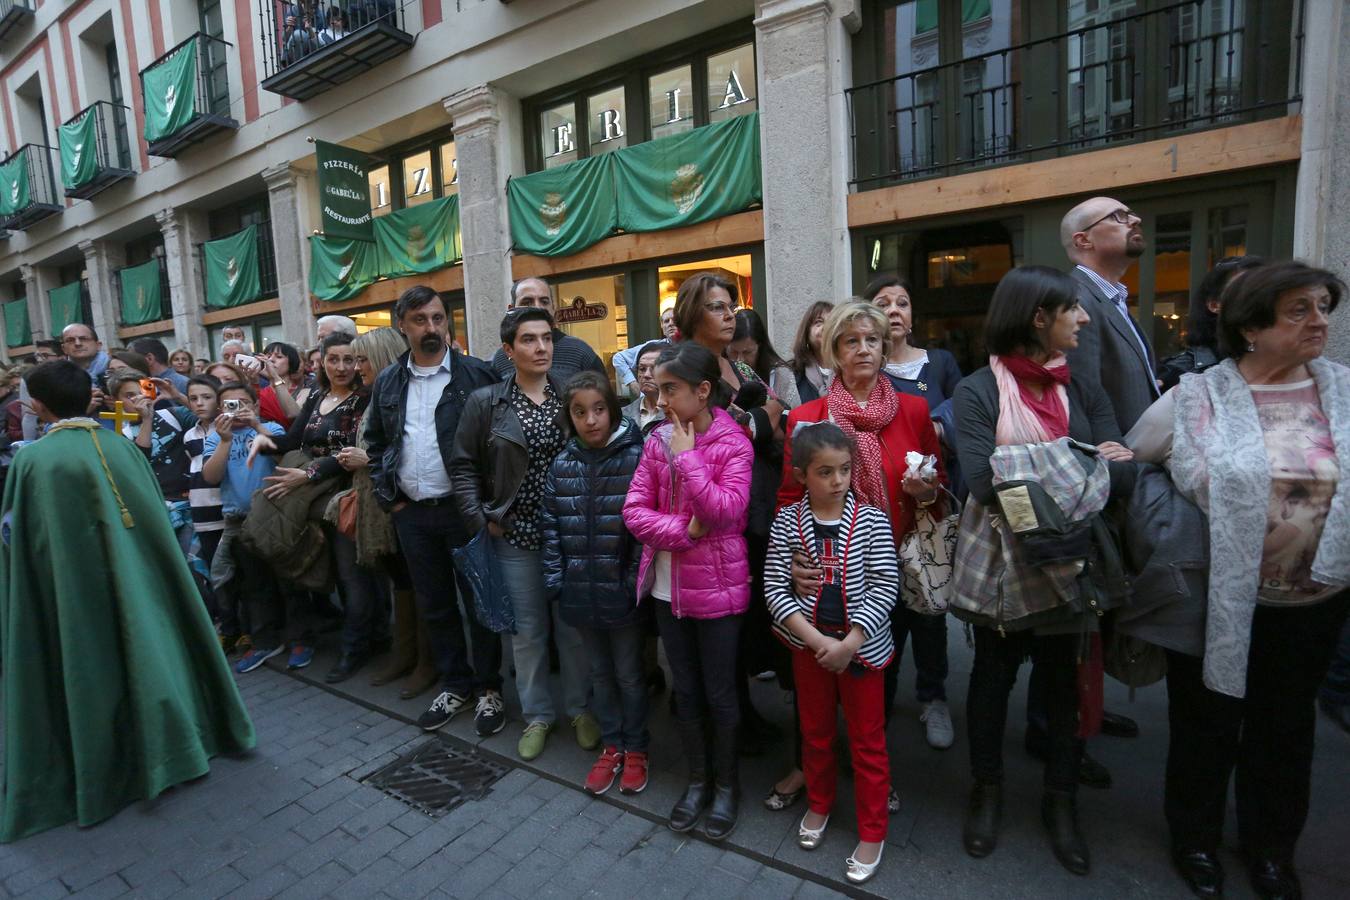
938	722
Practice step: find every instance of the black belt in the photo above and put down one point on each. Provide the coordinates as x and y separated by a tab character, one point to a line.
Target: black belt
433	501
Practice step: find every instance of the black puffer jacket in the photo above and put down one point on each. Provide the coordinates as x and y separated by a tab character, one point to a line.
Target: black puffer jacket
590	559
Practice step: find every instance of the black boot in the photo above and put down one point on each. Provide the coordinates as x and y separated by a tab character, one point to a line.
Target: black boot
727	794
699	793
980	834
1060	812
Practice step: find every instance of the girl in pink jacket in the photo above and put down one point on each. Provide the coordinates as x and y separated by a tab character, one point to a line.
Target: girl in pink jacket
688	504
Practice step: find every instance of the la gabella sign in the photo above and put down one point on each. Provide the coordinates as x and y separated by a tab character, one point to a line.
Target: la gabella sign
579	310
338	190
611	120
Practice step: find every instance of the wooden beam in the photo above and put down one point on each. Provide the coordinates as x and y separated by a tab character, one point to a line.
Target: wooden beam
1183	156
729	231
17	352
133	331
247	311
384	293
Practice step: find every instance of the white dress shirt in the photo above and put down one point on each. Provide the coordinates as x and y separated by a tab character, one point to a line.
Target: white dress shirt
421	470
1120	296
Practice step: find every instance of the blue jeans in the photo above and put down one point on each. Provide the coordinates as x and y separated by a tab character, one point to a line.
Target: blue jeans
365	597
618	685
1336	689
524	574
928	638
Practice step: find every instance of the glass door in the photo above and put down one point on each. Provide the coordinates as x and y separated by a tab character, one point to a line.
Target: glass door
216	72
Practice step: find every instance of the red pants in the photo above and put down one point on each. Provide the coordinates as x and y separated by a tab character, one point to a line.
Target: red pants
819	692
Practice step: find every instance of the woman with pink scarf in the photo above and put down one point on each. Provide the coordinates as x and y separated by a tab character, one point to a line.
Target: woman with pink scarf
1027	396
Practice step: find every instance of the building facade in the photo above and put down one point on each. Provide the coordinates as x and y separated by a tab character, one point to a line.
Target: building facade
827	141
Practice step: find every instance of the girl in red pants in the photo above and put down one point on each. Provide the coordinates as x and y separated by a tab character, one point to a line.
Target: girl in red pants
841	637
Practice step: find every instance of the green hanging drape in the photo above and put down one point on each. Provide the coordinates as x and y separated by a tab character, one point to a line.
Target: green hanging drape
232	269
66	306
79	150
141	300
340	269
418	239
17	332
170	93
560	211
14	192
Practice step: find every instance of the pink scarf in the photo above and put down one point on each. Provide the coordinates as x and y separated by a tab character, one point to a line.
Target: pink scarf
1022	417
863	425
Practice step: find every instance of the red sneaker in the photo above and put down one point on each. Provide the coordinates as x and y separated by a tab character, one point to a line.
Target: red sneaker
605	770
634	772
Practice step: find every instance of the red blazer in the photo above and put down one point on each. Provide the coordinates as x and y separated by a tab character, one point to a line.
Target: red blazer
911	429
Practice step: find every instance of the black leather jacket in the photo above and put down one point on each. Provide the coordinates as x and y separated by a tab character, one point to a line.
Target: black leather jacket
388	403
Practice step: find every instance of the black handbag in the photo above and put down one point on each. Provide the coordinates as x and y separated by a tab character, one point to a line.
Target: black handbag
1039	527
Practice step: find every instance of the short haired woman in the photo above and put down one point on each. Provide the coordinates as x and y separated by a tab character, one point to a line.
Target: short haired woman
1259	443
813	379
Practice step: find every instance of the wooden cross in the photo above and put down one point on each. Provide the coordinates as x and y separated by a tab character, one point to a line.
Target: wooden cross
120	416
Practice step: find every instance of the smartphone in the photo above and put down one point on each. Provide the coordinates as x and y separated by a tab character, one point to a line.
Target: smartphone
148	389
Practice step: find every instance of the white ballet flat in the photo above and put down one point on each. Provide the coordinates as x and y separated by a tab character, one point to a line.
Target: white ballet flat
811	838
858	872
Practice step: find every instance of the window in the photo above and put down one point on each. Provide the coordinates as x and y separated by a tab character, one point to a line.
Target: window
381	200
418	186
417	172
217	74
665	93
119	112
449	170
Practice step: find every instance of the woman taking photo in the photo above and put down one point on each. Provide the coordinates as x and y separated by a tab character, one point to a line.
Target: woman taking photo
1026	396
750	345
883	423
283	368
1258	442
1202	321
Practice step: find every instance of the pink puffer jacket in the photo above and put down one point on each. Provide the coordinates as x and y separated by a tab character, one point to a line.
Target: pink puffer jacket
710	577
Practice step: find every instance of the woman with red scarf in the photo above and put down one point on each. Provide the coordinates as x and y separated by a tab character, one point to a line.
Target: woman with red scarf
1026	396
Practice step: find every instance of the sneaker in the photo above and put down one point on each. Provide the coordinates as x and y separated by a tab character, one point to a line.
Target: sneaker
532	740
301	656
444	708
588	731
254	658
489	716
605	771
634	772
938	721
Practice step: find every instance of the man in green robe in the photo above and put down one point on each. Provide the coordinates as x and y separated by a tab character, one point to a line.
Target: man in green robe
114	687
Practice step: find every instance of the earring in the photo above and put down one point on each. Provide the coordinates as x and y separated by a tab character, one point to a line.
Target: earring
1251	347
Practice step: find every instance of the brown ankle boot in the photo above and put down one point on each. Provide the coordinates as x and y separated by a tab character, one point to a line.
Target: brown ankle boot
425	675
403	654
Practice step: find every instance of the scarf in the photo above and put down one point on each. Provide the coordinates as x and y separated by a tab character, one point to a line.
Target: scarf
863	426
1024	418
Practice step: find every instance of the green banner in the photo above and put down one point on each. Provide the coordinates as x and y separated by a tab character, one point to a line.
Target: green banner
169	92
14	185
66	306
419	239
560	211
17	332
688	178
340	269
344	192
232	269
79	150
141	299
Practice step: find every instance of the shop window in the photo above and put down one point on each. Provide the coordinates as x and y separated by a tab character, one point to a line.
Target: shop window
371	319
670	101
607	114
558	134
731	83
417	179
735	269
595	310
381	200
449	170
1171	282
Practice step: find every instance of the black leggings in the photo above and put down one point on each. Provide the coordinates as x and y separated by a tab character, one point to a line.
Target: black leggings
702	655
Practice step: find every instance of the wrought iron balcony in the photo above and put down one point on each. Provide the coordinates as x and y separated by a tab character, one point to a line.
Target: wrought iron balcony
309	48
267	260
14	13
1186	66
112	162
210	96
32	194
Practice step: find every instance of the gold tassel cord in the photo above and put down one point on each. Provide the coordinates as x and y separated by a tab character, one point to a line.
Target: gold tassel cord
93	428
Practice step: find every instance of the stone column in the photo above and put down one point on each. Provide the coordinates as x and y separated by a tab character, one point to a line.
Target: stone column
483	141
801	48
37	281
289	220
182	230
102	259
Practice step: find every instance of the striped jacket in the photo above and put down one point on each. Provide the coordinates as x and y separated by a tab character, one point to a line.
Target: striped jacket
871	582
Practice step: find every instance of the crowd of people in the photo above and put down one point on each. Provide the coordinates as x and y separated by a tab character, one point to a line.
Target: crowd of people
1097	510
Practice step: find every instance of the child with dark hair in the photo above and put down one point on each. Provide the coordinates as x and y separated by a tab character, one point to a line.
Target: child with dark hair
840	638
590	564
208	517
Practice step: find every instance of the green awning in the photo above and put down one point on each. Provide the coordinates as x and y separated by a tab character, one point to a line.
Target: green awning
141	300
66	306
14	194
169	92
419	239
79	150
340	269
17	332
560	211
232	269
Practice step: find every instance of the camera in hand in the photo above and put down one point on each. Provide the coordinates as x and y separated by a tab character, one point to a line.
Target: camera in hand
233	406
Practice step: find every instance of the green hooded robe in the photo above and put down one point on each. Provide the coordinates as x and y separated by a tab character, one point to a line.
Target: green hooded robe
114	687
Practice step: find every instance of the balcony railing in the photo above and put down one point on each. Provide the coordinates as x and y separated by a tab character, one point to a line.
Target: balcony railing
36	197
210	96
112	161
14	13
310	47
267	261
1188	66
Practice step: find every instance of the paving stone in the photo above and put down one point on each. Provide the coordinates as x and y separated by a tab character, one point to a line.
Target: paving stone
413	822
321	852
369	880
319	883
374	818
217	884
327	795
321	823
476	876
104	889
422	845
268	853
741	866
521	841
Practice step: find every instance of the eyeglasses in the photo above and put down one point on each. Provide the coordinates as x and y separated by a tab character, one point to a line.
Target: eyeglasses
721	308
1119	216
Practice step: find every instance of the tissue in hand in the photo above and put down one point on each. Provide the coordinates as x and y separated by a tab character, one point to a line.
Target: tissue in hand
920	466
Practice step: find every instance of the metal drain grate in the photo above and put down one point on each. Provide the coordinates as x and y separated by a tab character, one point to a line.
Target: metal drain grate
435	778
